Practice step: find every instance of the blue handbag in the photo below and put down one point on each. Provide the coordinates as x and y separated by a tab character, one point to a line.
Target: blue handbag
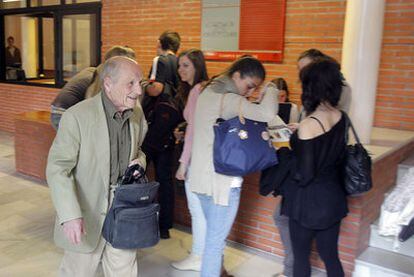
241	146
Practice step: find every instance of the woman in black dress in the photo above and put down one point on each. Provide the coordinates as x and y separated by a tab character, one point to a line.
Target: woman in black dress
314	198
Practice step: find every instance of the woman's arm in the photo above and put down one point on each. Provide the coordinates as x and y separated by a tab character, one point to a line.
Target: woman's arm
188	138
264	111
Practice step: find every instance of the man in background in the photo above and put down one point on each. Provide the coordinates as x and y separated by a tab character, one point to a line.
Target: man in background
308	57
76	89
13	55
163	116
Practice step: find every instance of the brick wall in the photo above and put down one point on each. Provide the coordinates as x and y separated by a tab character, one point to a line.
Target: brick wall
309	24
395	96
32	140
306	27
15	99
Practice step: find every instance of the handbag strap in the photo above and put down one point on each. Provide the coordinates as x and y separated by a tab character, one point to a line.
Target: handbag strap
241	118
348	124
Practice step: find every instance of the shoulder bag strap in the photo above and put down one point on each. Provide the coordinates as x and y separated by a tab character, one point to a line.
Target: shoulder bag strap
222	105
348	124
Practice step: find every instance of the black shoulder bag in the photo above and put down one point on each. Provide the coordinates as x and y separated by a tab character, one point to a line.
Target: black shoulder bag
357	164
132	220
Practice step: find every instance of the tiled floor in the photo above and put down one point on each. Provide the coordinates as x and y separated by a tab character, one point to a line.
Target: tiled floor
27	249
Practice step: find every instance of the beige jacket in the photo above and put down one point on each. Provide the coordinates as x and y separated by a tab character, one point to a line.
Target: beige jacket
78	168
202	177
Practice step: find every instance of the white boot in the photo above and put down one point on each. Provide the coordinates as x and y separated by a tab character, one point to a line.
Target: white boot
192	262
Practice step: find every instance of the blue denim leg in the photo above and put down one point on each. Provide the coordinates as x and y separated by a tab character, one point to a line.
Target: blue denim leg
198	221
219	222
55	119
282	223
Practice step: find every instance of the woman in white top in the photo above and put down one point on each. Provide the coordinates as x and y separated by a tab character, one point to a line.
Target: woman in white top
220	194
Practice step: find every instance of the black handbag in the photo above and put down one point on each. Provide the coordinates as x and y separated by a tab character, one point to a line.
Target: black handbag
357	164
132	220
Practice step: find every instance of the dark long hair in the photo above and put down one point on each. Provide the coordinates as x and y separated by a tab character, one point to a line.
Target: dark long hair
196	57
282	85
322	81
247	66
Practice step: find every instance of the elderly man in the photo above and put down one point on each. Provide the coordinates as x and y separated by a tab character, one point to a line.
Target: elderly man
97	140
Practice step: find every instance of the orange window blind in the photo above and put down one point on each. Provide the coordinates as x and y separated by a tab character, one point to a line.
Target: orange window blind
260	32
262	25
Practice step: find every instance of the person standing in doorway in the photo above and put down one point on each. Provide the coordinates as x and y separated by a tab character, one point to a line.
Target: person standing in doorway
13	55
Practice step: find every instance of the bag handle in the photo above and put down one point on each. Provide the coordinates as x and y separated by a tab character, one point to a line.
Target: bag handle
241	118
348	123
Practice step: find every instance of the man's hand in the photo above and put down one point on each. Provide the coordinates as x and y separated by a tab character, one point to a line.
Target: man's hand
73	230
136	173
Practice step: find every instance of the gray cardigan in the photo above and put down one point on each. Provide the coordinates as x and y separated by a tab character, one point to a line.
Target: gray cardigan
202	177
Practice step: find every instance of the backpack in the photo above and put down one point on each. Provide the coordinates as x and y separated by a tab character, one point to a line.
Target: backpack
163	114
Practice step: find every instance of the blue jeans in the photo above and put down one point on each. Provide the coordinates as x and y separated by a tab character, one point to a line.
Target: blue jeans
282	223
219	222
55	116
198	221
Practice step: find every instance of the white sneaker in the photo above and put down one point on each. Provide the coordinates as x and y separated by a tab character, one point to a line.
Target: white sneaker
192	262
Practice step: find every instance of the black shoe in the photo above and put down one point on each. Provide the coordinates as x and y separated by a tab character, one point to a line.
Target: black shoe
164	234
407	231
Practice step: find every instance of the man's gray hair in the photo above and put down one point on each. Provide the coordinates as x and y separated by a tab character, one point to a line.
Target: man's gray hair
112	65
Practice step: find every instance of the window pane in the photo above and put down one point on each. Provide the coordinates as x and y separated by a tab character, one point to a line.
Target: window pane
24	58
80	1
79	43
7	4
38	3
47	71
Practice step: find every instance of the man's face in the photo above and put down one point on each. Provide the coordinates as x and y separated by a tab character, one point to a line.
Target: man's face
124	88
10	41
303	62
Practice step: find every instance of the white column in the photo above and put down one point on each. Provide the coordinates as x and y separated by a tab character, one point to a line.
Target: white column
360	59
